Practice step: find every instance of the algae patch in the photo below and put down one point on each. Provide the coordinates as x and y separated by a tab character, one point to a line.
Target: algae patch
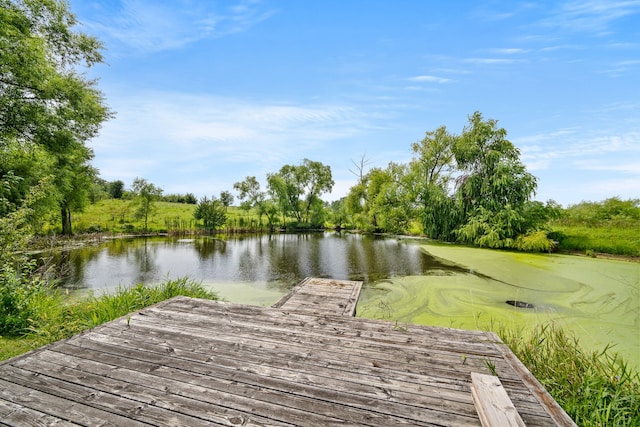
598	300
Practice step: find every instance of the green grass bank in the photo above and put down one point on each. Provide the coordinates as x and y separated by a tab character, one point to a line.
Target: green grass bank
41	315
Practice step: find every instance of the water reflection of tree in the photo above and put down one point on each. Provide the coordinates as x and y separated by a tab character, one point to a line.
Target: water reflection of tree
118	247
68	266
285	258
144	255
209	247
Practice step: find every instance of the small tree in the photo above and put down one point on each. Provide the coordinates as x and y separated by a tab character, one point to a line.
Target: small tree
226	198
212	212
116	189
297	189
338	213
145	195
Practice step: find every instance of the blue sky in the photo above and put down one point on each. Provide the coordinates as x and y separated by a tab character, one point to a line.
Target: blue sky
208	92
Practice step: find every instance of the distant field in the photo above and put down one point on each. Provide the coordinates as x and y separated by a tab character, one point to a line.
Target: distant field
117	216
617	240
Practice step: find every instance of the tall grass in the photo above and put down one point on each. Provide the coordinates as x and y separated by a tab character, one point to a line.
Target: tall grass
609	239
594	388
611	226
126	300
51	317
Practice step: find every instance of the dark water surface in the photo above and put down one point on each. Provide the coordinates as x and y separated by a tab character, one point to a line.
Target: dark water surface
279	259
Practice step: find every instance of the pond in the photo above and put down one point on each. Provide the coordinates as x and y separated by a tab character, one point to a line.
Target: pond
405	280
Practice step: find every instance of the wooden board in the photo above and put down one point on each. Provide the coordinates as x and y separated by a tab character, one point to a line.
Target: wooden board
322	296
492	402
196	362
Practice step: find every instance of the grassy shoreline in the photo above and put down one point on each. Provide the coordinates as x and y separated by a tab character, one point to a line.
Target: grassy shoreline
576	234
49	317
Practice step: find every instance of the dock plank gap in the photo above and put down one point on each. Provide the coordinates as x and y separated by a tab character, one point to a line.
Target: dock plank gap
193	362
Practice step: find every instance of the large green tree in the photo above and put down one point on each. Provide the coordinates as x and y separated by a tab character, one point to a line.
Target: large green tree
297	190
46	100
431	171
494	185
380	201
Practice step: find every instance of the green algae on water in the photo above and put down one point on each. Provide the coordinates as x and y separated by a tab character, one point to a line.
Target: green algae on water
598	300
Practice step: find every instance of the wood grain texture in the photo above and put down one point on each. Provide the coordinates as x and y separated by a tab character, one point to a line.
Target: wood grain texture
196	362
492	402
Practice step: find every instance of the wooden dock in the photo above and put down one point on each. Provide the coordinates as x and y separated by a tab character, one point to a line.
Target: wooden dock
322	296
191	362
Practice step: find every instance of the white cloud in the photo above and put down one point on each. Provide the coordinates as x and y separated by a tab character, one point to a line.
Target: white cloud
592	16
491	61
617	186
573	145
429	79
179	134
508	51
148	26
598	165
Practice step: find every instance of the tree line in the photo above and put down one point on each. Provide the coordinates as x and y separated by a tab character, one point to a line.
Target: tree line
471	188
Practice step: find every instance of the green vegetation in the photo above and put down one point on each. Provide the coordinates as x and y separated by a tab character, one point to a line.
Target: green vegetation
117	216
35	314
611	226
595	389
145	195
212	212
469	188
48	109
292	196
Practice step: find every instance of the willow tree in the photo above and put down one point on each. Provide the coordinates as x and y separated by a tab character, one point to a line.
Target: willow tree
382	200
45	99
431	171
493	187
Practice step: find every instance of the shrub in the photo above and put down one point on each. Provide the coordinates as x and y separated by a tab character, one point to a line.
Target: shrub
536	241
24	299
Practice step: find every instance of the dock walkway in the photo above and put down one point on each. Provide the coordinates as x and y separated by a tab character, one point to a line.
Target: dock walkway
192	362
322	296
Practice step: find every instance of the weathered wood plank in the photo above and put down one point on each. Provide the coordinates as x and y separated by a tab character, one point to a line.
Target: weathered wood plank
428	335
328	296
108	401
291	356
326	346
170	394
492	402
199	336
351	398
379	344
522	400
54	406
356	329
17	415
